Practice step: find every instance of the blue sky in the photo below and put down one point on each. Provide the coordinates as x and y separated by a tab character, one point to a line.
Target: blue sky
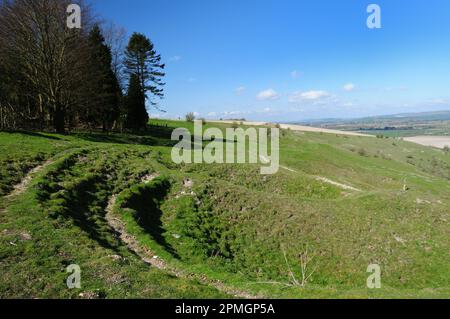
294	60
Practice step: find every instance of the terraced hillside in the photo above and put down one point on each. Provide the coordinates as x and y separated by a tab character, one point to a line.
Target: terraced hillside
141	226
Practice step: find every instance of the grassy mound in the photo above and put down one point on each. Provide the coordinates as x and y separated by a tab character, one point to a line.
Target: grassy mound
60	221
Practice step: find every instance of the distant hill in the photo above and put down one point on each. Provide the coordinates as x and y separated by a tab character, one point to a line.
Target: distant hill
406	117
422	116
397	125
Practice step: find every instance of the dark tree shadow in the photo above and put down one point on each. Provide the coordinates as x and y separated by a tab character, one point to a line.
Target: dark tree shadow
87	212
152	136
35	134
147	212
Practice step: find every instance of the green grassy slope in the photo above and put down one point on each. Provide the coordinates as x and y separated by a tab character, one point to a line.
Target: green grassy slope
60	221
249	231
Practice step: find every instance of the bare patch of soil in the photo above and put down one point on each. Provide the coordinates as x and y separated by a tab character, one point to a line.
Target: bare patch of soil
22	186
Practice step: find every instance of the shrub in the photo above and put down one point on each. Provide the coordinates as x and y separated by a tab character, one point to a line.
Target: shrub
362	152
190	117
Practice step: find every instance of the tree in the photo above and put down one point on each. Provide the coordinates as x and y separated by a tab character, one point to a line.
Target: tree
52	76
142	60
190	117
3	98
136	116
44	56
104	86
115	38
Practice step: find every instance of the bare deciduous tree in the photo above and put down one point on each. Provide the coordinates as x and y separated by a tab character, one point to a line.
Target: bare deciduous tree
116	39
44	56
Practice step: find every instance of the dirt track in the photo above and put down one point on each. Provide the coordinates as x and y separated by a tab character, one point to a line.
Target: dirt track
435	141
22	186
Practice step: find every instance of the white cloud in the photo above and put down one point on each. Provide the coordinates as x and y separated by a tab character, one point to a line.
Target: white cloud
155	115
240	90
295	74
235	112
349	87
241	113
228	114
397	88
440	102
192	80
309	95
269	94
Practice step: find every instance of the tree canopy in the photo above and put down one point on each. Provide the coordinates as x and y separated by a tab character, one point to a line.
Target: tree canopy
55	77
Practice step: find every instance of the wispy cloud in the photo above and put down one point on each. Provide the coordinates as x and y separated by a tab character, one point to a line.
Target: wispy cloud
175	58
440	101
401	88
240	90
241	113
349	87
228	113
295	74
269	94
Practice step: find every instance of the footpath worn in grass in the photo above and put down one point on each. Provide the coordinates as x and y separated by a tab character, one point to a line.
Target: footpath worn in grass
338	204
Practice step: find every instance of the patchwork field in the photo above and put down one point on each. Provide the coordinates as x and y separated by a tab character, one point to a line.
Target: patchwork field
139	225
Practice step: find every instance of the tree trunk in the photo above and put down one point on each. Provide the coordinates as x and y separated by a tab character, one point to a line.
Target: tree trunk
58	120
1	118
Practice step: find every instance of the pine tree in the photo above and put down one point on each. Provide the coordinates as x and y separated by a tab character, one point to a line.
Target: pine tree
103	103
136	116
142	60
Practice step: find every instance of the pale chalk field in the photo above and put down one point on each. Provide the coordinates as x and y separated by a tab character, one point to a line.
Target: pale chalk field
435	141
297	128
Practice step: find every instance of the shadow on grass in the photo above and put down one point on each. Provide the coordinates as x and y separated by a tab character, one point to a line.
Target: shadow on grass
35	134
145	202
152	136
87	210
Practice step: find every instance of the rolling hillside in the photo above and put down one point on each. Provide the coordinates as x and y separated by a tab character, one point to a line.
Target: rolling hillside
141	226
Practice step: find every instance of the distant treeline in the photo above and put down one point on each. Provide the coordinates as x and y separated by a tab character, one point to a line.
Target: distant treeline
386	128
56	78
